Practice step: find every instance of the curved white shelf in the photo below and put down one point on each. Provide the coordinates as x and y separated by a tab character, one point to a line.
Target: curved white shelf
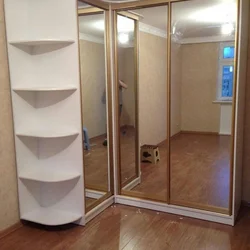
43	175
47	134
51	217
39	42
45	89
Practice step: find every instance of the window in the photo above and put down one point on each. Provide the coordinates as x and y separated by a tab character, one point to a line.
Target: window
226	72
227	81
228	52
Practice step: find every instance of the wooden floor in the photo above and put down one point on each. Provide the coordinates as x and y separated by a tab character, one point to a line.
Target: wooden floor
129	228
200	168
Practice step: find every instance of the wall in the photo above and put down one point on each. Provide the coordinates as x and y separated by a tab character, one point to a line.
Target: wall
199	81
175	88
92	57
126	73
246	149
152	89
9	214
226	119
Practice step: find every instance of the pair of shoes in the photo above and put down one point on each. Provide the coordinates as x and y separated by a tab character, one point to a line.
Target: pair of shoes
105	143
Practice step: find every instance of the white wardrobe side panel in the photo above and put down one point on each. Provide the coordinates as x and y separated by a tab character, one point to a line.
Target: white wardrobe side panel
29	20
240	104
42	38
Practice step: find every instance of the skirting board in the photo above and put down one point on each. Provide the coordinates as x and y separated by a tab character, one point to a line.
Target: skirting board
94	194
132	184
188	212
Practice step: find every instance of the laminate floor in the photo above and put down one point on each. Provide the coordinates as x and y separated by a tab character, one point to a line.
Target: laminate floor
200	168
130	228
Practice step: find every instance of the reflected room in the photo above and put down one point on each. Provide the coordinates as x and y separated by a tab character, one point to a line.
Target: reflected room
202	82
94	103
142	64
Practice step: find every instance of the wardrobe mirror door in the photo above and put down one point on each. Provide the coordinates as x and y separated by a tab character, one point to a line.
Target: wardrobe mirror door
202	82
94	107
126	93
152	182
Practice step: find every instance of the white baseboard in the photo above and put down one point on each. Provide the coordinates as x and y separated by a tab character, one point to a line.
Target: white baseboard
93	194
224	133
172	209
132	184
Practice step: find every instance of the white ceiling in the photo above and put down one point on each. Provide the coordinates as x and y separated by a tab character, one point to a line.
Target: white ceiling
92	25
191	19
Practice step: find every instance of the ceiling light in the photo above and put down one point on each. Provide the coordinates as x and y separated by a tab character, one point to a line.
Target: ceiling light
123	38
227	28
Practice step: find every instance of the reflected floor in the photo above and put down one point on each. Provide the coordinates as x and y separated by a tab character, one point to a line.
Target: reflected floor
89	201
96	165
200	168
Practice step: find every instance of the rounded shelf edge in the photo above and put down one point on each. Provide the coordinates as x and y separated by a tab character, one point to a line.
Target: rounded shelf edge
51	217
48	177
39	42
44	89
46	136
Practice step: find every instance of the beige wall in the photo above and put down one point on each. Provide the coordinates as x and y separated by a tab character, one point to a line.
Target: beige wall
92	57
246	149
199	80
152	89
175	88
126	73
9	214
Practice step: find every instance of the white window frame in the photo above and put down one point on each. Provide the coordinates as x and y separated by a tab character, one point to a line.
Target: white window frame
223	62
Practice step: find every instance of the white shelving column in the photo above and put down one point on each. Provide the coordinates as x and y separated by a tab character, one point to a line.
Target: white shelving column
42	41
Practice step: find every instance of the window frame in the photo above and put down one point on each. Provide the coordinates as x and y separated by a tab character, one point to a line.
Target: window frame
224	62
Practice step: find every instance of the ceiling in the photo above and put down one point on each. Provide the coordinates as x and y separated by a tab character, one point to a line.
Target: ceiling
92	25
191	19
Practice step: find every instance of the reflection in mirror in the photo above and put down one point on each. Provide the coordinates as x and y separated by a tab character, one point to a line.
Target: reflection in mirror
94	107
126	98
202	79
147	177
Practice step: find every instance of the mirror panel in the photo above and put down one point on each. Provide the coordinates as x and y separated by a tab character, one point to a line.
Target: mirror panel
127	99
202	79
151	181
94	107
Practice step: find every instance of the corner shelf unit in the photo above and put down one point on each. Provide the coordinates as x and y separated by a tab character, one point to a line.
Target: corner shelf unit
44	73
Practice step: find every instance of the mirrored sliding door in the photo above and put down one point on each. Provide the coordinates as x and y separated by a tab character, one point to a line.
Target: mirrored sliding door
143	117
95	105
202	83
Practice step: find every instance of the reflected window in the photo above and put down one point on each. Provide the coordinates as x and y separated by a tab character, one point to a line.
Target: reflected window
226	72
227	81
228	52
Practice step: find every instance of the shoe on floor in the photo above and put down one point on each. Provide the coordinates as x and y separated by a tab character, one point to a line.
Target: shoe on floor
105	143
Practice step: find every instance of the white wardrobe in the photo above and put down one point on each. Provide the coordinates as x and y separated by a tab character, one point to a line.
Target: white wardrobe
42	40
